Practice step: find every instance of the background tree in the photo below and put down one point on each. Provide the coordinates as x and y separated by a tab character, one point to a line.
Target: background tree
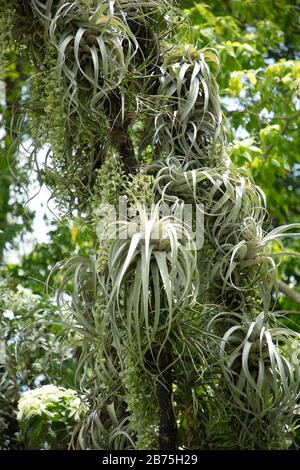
16	219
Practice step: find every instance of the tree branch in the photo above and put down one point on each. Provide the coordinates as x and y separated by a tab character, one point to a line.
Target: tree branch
287	290
122	141
167	425
287	120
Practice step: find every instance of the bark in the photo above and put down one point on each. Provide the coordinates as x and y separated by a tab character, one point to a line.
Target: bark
122	141
291	293
167	425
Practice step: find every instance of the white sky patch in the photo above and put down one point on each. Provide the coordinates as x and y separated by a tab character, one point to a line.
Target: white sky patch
45	214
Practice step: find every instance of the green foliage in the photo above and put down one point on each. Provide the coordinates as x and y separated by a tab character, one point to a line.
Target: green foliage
156	252
34	350
34	268
142	403
258	44
15	218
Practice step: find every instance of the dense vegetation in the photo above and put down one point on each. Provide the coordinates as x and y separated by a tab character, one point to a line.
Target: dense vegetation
153	339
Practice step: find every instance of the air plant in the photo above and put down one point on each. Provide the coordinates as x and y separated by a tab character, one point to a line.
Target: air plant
94	57
91	61
156	251
243	254
109	53
103	429
228	195
247	258
188	117
262	381
107	422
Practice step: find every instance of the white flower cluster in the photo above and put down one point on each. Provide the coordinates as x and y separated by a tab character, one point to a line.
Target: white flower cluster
22	299
50	401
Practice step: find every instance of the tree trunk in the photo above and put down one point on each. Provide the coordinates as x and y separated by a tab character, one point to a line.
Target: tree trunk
167	425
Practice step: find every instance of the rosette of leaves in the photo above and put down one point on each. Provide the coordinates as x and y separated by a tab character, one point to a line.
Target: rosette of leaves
105	428
93	56
106	424
257	365
152	276
227	195
188	117
245	254
106	52
248	258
